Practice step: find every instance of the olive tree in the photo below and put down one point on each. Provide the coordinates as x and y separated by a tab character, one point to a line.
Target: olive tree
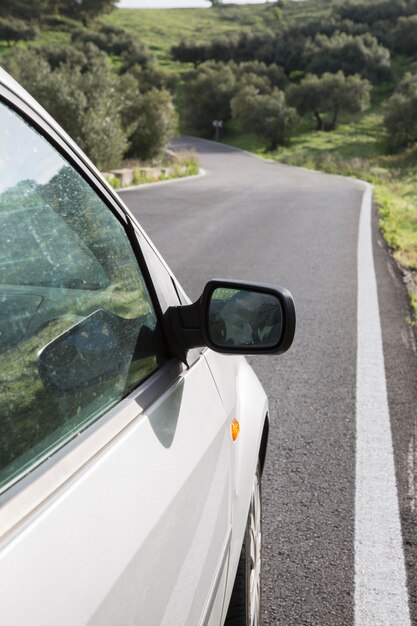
401	114
87	103
331	94
208	95
268	115
405	35
352	54
154	124
14	30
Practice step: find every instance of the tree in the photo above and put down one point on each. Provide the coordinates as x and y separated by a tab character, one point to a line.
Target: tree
155	124
86	10
152	76
136	54
405	35
208	94
371	12
233	47
13	30
401	114
81	56
114	40
273	74
330	93
87	104
265	114
189	53
351	54
22	9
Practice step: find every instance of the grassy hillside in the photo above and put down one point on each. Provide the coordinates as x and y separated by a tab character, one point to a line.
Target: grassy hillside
160	29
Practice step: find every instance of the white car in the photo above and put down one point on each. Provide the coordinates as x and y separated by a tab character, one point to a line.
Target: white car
131	447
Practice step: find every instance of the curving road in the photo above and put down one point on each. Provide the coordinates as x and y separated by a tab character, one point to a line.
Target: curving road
340	501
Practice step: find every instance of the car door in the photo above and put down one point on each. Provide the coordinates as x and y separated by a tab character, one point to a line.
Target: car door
114	457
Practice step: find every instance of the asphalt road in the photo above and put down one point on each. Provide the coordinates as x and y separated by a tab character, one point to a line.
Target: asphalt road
261	221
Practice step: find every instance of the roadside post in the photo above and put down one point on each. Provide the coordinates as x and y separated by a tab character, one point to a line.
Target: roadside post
217	125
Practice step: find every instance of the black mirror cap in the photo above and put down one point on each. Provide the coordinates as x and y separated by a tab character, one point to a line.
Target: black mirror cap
288	313
186	326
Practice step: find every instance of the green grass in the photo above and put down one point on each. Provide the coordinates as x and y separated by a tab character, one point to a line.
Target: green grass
160	29
244	141
186	164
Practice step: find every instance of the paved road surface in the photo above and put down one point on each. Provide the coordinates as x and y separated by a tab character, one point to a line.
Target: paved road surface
256	220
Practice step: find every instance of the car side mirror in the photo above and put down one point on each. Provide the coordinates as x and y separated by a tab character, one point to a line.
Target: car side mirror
234	317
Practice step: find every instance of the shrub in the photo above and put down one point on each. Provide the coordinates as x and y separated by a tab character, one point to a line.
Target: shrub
114	182
83	56
273	74
153	77
359	54
186	163
401	114
14	30
208	95
371	12
405	35
156	123
330	93
265	114
87	103
117	41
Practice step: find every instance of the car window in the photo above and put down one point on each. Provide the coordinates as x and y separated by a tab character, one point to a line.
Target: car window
78	330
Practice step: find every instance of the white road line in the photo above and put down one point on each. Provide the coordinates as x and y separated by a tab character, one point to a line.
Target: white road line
381	597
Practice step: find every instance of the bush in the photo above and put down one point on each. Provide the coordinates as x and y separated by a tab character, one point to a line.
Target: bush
372	12
351	54
83	56
405	35
267	115
155	125
136	54
272	74
87	104
100	110
117	41
330	93
13	30
153	77
114	182
210	89
86	10
61	23
208	95
21	9
401	114
186	164
189	53
239	47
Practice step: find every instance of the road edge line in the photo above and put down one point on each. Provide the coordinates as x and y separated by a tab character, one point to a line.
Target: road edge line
381	595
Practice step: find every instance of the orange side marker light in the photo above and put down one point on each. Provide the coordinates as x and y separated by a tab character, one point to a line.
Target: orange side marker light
235	429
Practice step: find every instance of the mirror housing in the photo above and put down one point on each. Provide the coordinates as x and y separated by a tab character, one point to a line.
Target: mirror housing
233	317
